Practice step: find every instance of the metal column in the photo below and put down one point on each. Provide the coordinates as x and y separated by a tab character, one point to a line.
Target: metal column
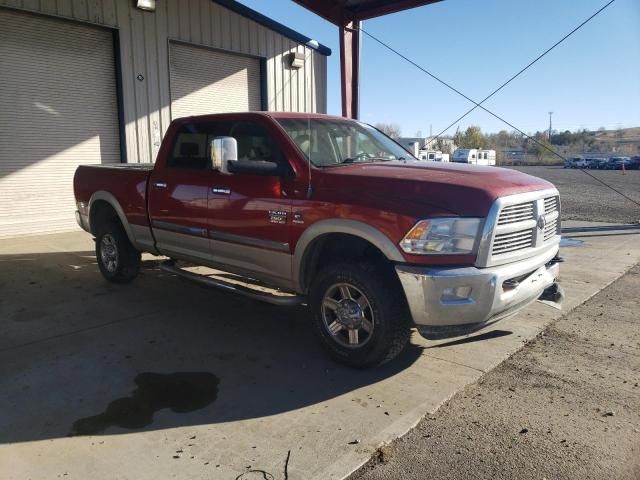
350	38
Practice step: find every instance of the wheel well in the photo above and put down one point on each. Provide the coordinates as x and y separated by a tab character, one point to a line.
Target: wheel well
102	212
338	247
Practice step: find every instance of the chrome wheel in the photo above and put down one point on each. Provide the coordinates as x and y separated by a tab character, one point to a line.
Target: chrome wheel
347	315
109	253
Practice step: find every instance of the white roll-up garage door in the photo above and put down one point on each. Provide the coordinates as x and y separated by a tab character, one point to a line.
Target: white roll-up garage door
210	81
58	110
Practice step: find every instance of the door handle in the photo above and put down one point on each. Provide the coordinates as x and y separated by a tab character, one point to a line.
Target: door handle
160	184
221	190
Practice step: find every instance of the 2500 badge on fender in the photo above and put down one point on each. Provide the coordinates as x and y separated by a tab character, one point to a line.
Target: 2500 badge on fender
333	214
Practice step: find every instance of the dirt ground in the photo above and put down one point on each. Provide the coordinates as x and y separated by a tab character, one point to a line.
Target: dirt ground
584	198
566	406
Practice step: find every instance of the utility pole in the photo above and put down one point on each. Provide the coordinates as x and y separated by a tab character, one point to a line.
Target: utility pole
550	113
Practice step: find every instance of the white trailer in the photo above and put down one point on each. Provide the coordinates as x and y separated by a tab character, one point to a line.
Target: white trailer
465	155
486	157
474	156
432	155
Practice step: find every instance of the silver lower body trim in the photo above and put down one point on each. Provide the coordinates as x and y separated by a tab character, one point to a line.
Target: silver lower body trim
83	221
447	297
282	300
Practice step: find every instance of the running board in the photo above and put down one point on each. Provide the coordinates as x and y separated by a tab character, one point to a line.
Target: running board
282	300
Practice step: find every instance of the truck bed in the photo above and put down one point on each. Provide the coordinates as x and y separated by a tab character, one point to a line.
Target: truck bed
127	182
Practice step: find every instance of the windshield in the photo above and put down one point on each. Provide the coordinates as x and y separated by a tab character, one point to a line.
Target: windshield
331	142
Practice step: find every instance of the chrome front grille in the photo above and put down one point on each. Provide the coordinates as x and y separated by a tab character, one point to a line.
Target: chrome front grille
551	204
510	242
551	228
516	213
520	225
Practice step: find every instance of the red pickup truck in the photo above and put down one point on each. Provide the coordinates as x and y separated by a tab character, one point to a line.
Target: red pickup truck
330	213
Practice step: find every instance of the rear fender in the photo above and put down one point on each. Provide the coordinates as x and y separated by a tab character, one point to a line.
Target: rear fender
111	200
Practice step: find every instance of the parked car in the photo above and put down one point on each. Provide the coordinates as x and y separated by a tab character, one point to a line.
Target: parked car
333	214
600	163
616	163
581	163
634	163
572	162
595	163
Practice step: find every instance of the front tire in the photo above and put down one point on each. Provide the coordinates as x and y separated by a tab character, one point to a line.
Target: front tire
359	314
118	260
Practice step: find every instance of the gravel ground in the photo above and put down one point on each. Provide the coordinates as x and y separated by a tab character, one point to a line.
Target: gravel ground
566	406
584	198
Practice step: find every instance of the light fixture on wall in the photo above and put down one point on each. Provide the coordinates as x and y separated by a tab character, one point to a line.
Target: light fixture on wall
297	60
146	5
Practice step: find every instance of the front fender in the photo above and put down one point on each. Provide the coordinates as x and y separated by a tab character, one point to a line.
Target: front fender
339	225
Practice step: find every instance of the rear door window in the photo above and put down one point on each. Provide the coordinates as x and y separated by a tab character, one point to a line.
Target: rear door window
192	144
189	151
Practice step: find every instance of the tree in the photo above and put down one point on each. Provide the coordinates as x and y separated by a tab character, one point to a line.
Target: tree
472	138
441	145
390	129
541	148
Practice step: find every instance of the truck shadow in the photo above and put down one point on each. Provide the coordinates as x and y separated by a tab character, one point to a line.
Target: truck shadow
474	338
80	356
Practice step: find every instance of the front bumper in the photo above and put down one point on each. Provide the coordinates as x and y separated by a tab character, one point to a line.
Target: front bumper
446	302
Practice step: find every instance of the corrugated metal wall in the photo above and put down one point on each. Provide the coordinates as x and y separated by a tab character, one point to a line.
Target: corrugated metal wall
144	52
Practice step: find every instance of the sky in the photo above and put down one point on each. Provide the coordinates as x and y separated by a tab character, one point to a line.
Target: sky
591	80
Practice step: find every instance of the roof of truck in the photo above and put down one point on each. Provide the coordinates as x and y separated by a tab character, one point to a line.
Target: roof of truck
274	115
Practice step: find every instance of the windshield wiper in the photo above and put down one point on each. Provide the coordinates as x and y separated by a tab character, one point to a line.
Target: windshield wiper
363	159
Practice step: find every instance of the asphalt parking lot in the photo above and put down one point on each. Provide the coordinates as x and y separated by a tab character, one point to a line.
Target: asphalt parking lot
584	198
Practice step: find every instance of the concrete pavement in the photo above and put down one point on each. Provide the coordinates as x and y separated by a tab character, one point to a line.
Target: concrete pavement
79	355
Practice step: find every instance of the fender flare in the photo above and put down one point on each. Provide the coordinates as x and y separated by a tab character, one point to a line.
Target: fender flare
339	225
111	200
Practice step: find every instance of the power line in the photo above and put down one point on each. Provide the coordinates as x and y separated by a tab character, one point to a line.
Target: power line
449	86
478	105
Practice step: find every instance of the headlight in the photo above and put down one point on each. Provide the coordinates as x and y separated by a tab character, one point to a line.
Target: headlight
442	236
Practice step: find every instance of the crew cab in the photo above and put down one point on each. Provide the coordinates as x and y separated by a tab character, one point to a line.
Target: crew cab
330	213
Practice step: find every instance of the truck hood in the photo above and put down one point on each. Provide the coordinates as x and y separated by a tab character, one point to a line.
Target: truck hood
427	188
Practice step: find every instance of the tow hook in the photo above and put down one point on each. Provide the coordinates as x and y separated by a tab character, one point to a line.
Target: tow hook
554	260
552	293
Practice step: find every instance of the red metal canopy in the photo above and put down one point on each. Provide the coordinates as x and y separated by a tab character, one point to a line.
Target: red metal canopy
347	15
339	11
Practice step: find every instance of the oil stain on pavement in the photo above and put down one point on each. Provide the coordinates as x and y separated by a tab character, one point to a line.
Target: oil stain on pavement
181	392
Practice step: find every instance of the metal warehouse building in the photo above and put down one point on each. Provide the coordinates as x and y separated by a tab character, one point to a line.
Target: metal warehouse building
99	81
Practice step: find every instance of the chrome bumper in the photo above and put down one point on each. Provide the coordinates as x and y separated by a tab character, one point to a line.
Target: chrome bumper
446	302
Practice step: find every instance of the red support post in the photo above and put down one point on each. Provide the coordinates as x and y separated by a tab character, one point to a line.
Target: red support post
350	68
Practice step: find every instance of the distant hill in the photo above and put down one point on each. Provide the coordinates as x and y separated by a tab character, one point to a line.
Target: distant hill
622	136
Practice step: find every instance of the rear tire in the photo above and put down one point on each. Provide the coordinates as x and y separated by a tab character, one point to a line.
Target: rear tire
347	297
118	260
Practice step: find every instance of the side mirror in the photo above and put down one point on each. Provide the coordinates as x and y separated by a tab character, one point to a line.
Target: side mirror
222	151
255	167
